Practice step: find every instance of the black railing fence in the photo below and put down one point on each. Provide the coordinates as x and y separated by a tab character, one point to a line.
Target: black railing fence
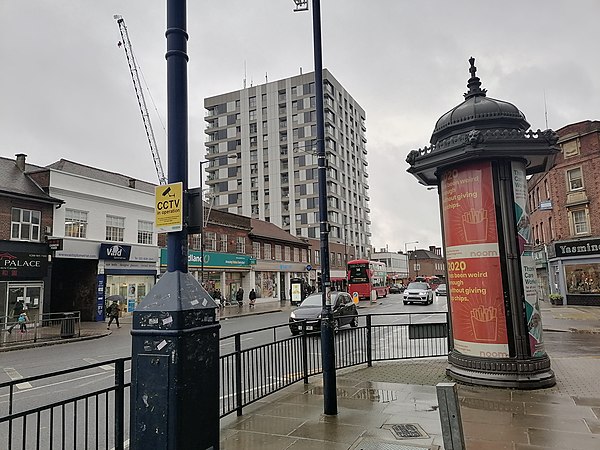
39	327
90	405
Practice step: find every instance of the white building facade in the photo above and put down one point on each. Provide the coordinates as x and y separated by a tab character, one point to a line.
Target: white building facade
261	148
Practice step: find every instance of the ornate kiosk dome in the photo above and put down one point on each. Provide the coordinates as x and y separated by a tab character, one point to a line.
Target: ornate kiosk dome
478	112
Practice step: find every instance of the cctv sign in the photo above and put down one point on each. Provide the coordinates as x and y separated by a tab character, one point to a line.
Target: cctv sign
168	207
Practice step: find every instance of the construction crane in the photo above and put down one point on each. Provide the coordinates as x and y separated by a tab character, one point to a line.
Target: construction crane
133	68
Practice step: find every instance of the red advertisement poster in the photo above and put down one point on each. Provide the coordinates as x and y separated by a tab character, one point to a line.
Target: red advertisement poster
473	255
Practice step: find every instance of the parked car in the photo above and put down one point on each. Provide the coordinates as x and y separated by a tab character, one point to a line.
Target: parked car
396	289
418	292
441	290
344	312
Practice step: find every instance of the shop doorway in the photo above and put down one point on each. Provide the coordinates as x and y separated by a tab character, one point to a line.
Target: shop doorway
31	294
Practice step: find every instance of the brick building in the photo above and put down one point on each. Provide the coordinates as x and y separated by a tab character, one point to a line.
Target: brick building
565	217
26	215
426	263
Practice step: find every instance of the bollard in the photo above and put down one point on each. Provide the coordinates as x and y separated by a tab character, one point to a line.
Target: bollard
452	431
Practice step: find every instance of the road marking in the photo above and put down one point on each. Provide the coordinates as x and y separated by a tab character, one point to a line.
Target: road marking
14	375
94	361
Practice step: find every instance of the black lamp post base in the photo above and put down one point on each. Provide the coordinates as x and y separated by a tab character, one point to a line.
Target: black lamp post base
531	373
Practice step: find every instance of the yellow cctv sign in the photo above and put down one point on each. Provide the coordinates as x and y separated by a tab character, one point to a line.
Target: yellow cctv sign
168	207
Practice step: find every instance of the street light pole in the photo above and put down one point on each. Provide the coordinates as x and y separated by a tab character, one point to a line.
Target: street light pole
202	226
407	258
327	321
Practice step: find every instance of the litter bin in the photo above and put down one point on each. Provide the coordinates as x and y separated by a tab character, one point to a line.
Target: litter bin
67	327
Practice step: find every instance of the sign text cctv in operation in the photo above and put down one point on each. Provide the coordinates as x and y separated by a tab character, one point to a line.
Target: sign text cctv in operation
168	207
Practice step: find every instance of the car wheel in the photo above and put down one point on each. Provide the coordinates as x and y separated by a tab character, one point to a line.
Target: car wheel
354	322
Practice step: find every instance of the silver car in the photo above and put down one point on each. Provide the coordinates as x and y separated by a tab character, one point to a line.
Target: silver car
418	292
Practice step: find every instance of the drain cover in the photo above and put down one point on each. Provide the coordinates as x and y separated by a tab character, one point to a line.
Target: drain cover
408	431
368	443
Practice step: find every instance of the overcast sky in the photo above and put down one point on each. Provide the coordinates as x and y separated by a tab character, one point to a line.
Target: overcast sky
67	91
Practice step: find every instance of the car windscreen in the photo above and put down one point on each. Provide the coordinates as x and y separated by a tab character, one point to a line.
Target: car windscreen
312	300
442	287
422	286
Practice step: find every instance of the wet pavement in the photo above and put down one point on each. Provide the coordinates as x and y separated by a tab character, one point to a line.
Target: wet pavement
377	405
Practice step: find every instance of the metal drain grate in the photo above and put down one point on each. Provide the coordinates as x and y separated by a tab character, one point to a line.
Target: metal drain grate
408	431
369	443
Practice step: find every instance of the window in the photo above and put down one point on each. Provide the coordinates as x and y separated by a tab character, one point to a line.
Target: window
579	219
256	250
240	245
223	243
267	251
317	257
252	102
145	232
196	242
278	252
115	228
76	223
25	224
252	115
296	255
210	241
288	253
575	179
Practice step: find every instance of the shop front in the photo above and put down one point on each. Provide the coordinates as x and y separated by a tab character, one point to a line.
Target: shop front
24	274
226	272
575	271
272	278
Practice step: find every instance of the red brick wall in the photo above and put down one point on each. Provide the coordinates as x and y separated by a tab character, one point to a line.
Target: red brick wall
6	205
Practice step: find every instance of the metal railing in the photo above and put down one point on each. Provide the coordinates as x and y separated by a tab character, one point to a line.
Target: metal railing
95	418
40	327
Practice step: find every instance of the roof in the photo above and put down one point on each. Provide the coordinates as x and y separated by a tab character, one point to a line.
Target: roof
424	254
15	183
267	230
64	165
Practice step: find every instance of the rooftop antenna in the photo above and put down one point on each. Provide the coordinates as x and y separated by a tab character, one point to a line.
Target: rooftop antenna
266	78
244	74
300	70
545	109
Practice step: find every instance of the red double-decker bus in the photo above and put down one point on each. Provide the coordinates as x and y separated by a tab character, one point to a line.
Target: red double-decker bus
367	279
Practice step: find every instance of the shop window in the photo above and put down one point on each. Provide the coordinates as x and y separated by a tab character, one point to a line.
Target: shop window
583	278
25	224
76	223
579	221
223	246
145	232
115	228
575	179
240	245
210	241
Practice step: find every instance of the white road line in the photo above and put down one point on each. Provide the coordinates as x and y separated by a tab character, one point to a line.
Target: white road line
94	361
14	375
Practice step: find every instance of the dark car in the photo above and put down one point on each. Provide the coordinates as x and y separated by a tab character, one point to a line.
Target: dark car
396	289
441	290
418	291
344	312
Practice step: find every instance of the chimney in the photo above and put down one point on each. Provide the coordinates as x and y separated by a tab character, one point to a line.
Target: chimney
132	183
432	248
20	162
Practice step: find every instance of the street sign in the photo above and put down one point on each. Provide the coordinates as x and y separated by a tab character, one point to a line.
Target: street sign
308	268
355	298
168	207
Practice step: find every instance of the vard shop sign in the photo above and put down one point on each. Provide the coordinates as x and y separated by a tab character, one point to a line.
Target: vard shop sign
578	248
115	252
15	265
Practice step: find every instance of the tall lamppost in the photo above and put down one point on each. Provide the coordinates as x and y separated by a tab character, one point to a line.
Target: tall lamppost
327	335
407	258
202	224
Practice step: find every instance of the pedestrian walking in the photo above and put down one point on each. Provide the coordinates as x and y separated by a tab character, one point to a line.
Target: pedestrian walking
252	297
23	319
239	297
113	311
16	313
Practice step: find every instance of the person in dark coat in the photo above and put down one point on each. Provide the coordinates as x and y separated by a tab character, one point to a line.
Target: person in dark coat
252	297
239	297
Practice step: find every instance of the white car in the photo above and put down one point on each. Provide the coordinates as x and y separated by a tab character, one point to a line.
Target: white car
418	292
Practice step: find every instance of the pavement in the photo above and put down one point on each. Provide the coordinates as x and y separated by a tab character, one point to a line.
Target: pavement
394	406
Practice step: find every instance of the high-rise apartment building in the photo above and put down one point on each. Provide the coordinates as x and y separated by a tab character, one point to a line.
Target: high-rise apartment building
261	148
